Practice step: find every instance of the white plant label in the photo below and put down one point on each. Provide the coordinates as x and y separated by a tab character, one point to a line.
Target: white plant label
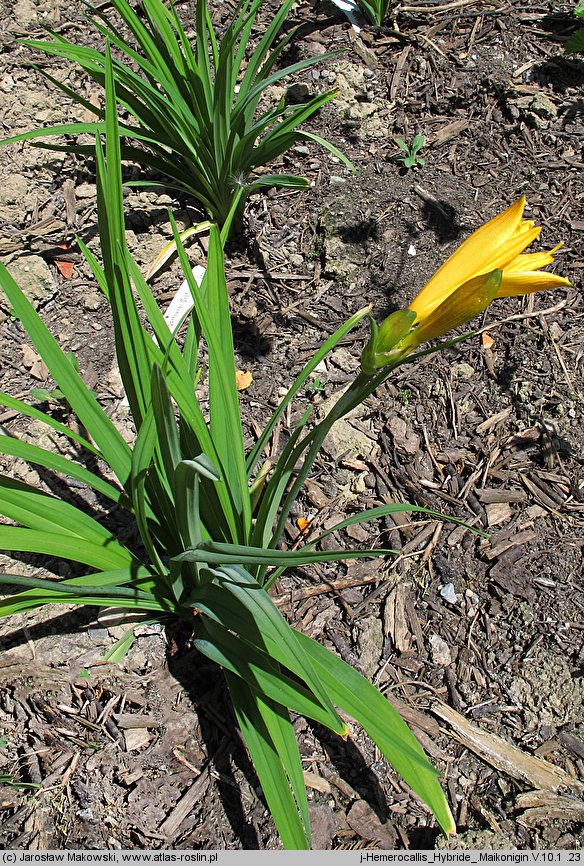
182	303
353	13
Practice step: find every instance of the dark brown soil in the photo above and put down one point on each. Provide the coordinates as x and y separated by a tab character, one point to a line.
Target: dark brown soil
144	754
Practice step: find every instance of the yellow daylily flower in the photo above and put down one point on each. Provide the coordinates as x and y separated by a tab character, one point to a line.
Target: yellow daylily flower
497	245
489	264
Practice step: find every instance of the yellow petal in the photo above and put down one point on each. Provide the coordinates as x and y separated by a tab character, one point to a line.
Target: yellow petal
462	305
529	282
531	261
514	246
491	246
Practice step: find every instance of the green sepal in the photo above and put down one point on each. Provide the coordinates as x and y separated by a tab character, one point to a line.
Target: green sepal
384	338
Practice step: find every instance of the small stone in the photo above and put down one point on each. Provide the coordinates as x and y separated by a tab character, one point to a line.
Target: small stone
363	820
296	260
543	106
360	111
344	360
98	635
7	83
24	12
85	190
92	301
440	651
34	277
412	251
448	594
314	48
297	93
556	332
462	371
472	603
136	738
337	180
358	533
13	188
324	825
154	628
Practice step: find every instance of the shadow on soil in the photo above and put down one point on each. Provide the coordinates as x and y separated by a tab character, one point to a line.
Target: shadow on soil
67	623
206	689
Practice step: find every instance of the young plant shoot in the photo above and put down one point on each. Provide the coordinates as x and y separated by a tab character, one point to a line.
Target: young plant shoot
375	10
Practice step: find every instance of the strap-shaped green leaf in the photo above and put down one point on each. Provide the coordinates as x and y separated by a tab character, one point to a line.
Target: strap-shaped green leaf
167	439
132	587
39	510
219	553
67	588
225	420
187	490
37	456
32	412
142	456
261	672
350	691
107	555
112	446
263	58
234	599
258	719
380	511
132	355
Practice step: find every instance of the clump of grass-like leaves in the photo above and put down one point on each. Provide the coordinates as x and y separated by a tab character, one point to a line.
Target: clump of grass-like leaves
191	490
194	112
375	10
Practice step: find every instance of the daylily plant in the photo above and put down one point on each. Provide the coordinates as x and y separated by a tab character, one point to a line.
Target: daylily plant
489	264
208	521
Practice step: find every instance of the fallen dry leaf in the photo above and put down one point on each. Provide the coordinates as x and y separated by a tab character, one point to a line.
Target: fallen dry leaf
33	362
316	782
29	356
303	525
243	379
488	341
65	268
